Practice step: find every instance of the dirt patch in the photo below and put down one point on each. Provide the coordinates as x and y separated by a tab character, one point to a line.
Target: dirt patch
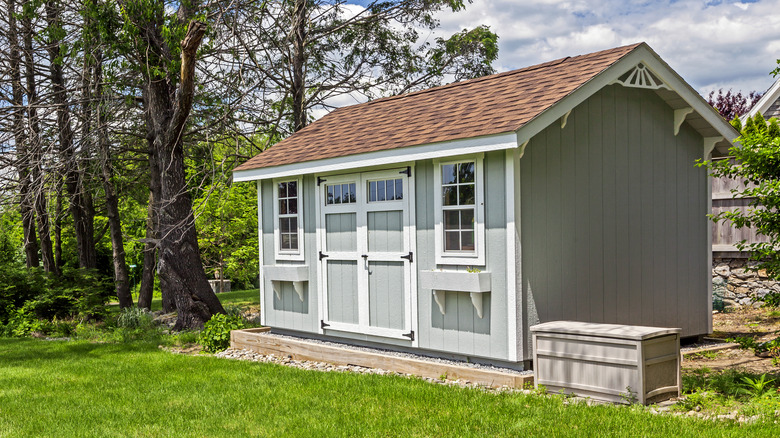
761	324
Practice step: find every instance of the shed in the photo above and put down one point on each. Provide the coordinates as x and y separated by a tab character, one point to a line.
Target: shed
448	221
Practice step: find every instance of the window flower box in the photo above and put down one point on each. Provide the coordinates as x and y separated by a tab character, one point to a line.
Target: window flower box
473	283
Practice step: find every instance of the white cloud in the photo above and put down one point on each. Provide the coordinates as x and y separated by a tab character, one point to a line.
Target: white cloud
711	44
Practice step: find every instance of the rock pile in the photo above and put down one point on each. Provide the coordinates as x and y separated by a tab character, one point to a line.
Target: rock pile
735	285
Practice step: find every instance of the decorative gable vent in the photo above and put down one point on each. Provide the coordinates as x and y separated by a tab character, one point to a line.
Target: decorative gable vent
641	77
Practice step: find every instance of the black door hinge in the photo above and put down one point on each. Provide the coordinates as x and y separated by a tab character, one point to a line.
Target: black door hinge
322	256
323	324
409	257
407	171
320	180
409	335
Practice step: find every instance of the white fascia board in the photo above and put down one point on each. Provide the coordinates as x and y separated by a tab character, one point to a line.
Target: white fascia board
507	140
642	54
765	102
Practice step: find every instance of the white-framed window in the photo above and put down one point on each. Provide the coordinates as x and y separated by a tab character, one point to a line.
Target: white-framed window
288	214
459	211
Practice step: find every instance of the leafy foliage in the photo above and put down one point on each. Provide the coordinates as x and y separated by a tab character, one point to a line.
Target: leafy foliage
757	164
216	332
731	105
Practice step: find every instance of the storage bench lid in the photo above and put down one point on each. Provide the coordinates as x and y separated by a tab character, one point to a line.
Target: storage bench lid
634	332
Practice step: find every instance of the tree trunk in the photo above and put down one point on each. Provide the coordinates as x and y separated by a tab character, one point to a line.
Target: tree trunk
121	274
146	290
180	267
36	152
26	195
81	207
298	63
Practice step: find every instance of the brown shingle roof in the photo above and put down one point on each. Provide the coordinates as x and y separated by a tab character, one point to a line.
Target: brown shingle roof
492	104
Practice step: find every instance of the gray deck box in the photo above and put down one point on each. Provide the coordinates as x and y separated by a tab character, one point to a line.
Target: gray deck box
617	363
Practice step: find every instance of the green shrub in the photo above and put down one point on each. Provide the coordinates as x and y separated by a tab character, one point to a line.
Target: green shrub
21	322
772	299
216	332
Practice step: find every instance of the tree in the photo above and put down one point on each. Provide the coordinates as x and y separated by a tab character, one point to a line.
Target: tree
756	162
731	105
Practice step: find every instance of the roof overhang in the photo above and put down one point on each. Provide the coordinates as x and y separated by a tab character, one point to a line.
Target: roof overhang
763	104
390	156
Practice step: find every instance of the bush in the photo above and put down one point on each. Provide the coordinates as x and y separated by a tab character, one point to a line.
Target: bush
216	332
21	322
135	317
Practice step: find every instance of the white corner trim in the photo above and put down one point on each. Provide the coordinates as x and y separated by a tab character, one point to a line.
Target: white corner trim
679	118
511	254
565	118
709	145
466	146
260	277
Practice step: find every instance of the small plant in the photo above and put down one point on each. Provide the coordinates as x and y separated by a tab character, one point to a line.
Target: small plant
696	400
216	332
744	342
473	270
756	387
706	354
628	397
772	299
443	376
135	317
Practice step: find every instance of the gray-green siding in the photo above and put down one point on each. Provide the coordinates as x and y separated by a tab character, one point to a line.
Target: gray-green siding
613	217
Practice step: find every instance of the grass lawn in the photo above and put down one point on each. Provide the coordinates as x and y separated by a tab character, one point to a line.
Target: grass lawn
238	298
76	388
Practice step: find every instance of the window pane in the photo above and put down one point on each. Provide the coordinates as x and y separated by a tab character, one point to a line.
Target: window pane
286	244
450	195
284	225
452	241
399	189
467	240
292	189
380	190
282	190
372	191
293	224
390	190
352	195
283	206
449	174
345	193
292	206
466	172
467	219
330	195
451	221
294	241
466	194
337	194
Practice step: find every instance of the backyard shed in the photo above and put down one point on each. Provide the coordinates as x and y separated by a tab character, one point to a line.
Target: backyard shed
449	220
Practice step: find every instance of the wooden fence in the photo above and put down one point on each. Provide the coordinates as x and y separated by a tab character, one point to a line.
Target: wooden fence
724	235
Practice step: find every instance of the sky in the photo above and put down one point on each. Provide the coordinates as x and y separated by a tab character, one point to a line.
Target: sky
712	44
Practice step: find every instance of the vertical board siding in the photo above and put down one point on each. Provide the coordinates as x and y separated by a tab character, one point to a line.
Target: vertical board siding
613	216
341	232
385	231
386	294
460	330
342	291
289	312
723	233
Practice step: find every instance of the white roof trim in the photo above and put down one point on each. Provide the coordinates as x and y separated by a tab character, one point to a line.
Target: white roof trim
642	54
390	156
763	104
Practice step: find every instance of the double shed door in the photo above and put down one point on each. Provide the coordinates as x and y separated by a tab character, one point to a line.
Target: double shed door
364	253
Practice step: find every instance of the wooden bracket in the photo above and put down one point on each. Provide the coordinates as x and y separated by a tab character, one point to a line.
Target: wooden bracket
679	118
709	145
438	296
564	119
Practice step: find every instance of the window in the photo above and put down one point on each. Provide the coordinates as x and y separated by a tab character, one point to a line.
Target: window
288	226
341	194
386	190
459	212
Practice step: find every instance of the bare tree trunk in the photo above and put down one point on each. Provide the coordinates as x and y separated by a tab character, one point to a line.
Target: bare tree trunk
146	290
26	195
80	200
298	65
36	151
121	274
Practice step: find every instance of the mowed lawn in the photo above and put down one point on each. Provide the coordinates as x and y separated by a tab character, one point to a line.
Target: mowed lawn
69	388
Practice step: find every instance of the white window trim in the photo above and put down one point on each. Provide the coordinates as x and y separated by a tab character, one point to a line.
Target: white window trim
477	258
299	253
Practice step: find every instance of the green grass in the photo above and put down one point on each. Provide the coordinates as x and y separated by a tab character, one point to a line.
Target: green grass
61	388
237	298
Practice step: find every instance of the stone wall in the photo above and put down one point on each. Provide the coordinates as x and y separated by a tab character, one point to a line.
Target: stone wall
735	286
